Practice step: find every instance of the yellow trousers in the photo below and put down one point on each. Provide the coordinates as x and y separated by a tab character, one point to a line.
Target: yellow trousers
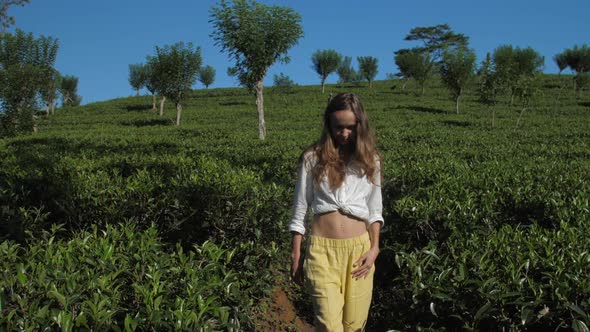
340	302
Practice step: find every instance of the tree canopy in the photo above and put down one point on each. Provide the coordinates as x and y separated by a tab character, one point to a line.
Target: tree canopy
457	67
176	68
436	39
6	20
416	64
345	71
69	91
578	60
137	76
26	73
206	75
255	36
325	62
514	66
368	67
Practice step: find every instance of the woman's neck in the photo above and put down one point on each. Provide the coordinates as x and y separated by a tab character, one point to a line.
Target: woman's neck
345	154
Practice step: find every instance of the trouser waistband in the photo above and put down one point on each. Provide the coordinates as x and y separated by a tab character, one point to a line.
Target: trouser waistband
339	243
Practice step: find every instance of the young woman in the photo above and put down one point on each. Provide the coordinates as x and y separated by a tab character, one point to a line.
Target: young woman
340	179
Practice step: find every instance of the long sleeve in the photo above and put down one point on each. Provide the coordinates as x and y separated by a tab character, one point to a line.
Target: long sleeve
303	197
374	201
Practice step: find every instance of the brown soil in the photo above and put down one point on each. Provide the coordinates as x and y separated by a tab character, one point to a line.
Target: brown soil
281	314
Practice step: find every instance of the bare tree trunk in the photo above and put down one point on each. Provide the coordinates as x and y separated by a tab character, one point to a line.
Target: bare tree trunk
423	87
404	85
260	108
519	117
162	105
323	85
154	102
574	80
52	107
178	113
457	103
493	117
47	110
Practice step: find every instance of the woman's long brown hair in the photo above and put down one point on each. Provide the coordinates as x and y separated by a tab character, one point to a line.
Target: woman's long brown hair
364	151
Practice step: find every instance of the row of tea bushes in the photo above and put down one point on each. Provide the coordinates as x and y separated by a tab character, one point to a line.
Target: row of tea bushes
190	198
122	278
432	198
515	278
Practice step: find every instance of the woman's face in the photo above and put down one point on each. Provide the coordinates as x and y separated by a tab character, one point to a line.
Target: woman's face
343	127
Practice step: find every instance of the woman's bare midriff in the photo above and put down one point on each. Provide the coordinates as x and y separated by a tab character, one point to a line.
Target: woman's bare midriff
336	225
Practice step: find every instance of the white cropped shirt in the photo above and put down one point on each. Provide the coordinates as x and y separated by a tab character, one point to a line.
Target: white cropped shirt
357	196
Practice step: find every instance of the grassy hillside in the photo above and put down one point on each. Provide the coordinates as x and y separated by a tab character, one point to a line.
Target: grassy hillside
481	228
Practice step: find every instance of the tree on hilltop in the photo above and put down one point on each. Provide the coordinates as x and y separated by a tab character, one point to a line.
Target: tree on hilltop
26	73
488	86
137	78
49	89
368	67
176	68
151	82
513	65
69	91
560	60
457	67
415	64
206	75
255	36
345	71
436	39
419	62
578	60
325	62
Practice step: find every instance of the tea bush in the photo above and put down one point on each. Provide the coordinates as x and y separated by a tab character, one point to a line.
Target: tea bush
124	278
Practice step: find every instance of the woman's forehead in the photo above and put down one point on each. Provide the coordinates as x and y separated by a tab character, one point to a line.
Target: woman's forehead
343	118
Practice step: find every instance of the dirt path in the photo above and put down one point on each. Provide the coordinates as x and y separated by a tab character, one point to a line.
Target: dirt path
282	314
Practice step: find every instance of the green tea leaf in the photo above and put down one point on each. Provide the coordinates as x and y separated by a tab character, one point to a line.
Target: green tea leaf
579	326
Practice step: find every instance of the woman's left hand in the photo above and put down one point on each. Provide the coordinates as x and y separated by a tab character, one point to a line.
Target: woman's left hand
365	263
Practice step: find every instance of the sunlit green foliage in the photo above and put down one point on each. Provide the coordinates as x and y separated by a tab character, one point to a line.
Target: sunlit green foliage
485	222
119	277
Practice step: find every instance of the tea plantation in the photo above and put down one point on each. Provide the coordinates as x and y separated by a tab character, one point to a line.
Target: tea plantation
113	218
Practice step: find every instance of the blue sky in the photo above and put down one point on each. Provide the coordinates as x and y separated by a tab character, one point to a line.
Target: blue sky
99	39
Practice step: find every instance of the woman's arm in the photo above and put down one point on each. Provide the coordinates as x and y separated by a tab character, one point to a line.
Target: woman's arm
301	202
296	268
375	221
366	261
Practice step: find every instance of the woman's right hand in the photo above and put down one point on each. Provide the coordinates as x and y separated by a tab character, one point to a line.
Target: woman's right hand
296	269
